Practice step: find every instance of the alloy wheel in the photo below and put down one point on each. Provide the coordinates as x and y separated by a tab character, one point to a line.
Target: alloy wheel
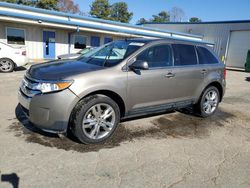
211	101
98	121
5	65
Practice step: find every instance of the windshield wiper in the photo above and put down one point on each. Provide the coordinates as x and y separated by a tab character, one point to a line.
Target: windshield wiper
107	56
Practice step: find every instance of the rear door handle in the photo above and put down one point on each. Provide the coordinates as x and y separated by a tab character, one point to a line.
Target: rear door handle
170	75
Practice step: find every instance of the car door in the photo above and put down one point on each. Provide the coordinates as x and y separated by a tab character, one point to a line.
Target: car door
152	87
188	74
1	50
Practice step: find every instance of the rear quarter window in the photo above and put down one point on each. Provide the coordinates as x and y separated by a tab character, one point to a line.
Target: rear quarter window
184	54
205	56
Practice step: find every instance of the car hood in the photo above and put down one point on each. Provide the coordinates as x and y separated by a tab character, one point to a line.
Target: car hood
69	56
61	69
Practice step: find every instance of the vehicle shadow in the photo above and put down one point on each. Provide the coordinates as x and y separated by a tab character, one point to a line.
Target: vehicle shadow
20	69
162	126
248	79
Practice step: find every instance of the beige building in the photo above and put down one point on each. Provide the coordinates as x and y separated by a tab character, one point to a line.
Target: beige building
46	34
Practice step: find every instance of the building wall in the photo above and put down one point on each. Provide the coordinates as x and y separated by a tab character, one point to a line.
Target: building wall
88	35
34	39
218	33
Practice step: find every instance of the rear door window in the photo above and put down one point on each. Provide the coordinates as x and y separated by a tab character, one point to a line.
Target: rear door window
184	54
205	56
157	56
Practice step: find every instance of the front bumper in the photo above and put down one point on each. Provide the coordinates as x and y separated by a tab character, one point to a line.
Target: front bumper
49	112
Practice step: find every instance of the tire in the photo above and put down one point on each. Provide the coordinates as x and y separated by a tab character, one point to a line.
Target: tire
208	103
94	119
6	65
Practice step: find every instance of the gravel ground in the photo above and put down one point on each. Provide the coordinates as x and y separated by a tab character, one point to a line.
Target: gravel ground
169	150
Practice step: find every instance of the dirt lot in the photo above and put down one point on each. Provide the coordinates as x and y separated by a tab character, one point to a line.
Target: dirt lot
170	150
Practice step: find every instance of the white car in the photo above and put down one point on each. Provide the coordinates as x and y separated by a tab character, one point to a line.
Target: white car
76	55
11	57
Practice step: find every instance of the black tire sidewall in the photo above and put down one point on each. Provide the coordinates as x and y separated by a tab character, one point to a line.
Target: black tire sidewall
82	107
202	112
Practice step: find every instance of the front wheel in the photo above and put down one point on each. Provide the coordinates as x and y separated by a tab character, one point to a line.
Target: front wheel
95	119
208	102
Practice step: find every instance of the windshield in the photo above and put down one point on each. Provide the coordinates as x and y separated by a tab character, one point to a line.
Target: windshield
84	51
111	54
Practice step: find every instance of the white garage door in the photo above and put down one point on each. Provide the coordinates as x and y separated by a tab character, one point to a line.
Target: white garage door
239	44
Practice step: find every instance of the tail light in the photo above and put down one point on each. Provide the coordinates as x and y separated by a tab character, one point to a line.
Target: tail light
225	73
24	53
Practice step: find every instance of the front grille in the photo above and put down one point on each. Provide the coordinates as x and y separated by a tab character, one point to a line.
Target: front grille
27	86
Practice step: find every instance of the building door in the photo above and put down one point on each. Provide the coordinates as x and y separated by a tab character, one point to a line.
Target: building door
49	47
95	41
237	49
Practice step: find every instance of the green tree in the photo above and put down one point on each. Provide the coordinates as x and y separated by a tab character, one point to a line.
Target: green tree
141	21
194	20
163	16
60	5
119	12
23	2
9	1
100	9
47	4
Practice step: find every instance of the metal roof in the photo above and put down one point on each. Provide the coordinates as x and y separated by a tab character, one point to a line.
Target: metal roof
9	10
167	40
208	22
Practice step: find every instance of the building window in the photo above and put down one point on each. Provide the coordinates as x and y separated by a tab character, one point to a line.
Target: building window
80	42
95	41
107	40
15	36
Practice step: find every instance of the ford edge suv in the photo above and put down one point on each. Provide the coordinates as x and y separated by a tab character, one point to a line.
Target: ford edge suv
120	80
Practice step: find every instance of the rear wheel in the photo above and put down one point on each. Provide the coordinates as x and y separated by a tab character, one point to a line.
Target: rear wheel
208	102
6	65
95	119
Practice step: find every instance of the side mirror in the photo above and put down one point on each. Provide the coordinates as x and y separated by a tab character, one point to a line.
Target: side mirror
139	65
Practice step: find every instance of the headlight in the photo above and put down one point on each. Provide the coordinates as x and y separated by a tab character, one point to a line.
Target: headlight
52	86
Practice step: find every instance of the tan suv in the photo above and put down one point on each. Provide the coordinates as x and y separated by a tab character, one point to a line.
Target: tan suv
122	79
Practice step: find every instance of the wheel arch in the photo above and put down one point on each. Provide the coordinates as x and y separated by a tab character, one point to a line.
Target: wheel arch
111	94
218	86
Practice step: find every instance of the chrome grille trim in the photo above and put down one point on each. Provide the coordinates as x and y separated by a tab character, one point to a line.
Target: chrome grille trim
26	88
28	84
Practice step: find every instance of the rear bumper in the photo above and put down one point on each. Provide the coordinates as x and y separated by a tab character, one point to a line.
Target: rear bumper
223	89
49	112
21	61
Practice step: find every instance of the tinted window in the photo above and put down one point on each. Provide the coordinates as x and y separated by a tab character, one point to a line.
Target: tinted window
157	56
184	54
111	54
15	36
205	56
80	42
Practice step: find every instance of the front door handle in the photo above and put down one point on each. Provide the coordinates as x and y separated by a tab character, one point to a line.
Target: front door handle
170	75
204	71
